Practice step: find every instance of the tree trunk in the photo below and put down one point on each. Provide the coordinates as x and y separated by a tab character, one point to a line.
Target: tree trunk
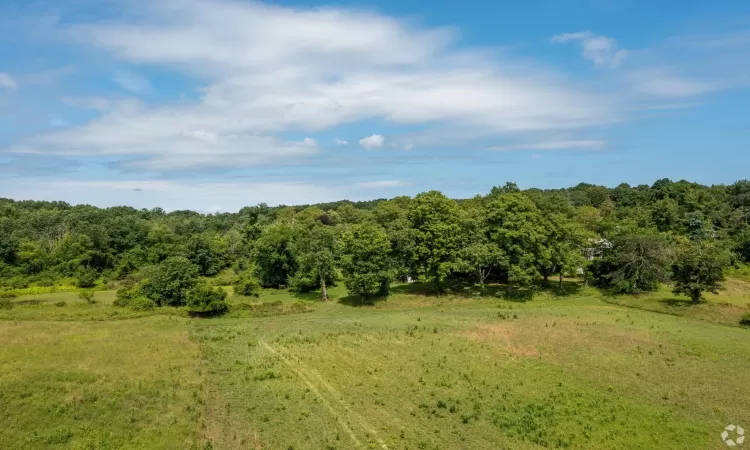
561	280
695	297
546	278
323	291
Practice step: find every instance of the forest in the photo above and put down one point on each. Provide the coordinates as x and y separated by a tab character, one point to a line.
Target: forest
627	239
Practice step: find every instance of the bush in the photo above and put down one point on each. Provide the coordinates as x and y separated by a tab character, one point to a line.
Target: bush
18	283
170	281
7	295
126	294
204	300
141	304
87	278
247	285
87	295
745	320
5	303
60	303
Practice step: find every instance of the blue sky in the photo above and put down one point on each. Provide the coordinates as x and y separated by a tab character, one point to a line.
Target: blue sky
216	104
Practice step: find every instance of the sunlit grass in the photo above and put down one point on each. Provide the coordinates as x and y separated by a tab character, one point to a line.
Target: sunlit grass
412	371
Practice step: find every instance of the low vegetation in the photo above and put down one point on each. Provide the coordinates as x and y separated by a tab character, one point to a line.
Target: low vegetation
578	318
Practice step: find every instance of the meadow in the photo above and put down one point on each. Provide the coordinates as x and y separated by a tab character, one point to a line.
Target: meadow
411	372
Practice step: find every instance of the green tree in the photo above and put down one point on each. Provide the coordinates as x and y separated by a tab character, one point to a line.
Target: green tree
638	263
366	263
170	281
517	227
435	220
699	267
315	253
87	295
273	256
8	242
478	254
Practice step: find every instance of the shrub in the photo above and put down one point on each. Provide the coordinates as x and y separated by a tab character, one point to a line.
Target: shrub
204	300
247	285
18	283
141	304
60	303
745	320
7	295
126	294
87	295
170	281
87	279
5	303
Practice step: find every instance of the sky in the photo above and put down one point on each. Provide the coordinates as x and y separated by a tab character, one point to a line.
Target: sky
212	105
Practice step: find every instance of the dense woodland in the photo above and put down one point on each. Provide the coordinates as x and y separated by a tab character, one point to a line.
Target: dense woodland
624	239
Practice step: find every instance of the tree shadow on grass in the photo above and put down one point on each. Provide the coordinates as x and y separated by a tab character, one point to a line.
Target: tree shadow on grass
357	301
462	289
677	302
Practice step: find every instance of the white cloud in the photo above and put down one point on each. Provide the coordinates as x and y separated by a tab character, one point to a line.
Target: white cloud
382	184
663	83
272	70
338	141
133	82
408	147
7	82
371	142
601	50
97	103
554	145
173	195
536	156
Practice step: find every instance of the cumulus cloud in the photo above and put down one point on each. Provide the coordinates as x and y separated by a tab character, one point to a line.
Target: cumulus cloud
7	82
272	71
600	50
338	141
371	142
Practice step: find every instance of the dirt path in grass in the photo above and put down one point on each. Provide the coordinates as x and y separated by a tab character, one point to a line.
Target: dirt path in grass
338	408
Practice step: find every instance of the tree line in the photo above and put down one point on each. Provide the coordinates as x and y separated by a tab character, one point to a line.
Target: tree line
625	239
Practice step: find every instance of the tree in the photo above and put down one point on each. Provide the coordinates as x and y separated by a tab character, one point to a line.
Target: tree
516	226
203	299
200	252
273	257
316	258
699	267
437	232
170	281
8	242
366	263
637	263
87	295
566	240
478	254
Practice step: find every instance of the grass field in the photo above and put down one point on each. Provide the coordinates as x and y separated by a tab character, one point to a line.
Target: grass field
412	372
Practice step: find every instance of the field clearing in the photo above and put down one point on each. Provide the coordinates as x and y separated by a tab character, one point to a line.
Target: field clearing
412	372
95	385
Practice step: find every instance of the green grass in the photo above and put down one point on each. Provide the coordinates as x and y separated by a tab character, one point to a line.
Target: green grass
728	307
409	372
